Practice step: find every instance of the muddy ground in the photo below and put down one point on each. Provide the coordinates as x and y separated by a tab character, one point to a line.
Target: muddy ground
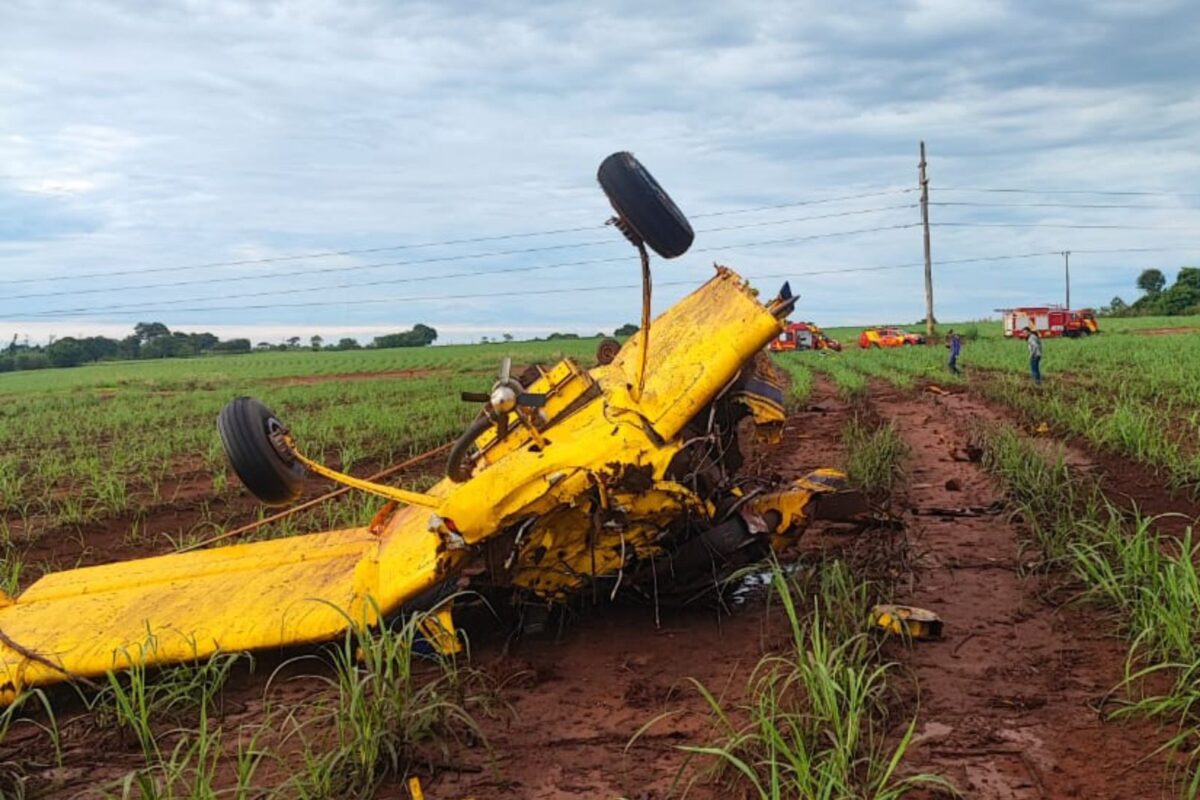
1007	702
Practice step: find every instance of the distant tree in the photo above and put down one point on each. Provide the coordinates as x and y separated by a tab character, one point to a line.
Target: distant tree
1151	281
1184	296
293	342
131	346
31	359
628	329
96	348
1116	306
232	346
173	346
66	352
145	331
315	341
1188	278
202	342
508	337
347	344
424	333
419	336
557	335
263	346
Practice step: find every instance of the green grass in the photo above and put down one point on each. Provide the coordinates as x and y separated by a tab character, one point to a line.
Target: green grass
801	379
81	446
1147	582
138	699
385	707
875	455
1052	501
384	704
12	564
85	445
814	720
1134	395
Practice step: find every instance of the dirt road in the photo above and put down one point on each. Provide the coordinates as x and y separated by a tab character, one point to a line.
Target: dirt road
1007	699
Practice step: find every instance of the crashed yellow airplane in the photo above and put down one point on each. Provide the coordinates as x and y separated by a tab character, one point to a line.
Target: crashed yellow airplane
619	477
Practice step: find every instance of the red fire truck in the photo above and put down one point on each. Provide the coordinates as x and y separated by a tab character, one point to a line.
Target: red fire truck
803	336
1049	321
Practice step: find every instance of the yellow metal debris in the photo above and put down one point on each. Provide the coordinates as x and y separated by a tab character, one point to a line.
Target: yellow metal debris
908	621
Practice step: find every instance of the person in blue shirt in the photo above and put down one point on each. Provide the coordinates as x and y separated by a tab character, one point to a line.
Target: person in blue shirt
954	343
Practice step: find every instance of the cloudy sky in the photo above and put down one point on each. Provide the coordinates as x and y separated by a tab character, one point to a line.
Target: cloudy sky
209	164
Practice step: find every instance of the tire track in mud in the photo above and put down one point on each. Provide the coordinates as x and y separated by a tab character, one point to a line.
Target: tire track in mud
1007	698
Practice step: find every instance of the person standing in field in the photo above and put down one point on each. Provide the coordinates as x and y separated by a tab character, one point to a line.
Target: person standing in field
1035	354
954	343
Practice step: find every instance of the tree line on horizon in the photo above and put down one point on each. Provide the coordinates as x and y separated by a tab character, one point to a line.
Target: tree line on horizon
151	340
1182	298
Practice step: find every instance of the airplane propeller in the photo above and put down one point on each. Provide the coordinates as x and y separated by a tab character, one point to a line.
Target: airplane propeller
505	396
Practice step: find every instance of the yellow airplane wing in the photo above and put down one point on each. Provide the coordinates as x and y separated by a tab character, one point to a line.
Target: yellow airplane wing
85	622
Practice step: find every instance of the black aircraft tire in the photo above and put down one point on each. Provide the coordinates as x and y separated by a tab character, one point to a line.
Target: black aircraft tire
642	203
456	470
607	350
245	426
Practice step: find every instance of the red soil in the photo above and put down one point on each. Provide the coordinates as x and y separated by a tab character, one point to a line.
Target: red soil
342	377
1005	700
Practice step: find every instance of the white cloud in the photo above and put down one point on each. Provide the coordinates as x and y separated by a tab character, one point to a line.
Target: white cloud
181	134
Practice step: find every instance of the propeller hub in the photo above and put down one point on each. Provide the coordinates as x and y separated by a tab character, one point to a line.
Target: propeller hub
503	399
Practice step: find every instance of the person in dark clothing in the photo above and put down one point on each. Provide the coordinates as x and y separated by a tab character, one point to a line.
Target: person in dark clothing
954	343
1035	354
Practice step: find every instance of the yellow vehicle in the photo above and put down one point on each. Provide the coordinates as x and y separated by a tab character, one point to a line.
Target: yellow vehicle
624	478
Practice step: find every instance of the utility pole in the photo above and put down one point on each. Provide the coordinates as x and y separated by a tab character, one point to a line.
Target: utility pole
1067	267
924	181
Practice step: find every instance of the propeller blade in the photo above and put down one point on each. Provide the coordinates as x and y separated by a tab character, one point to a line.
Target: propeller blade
501	426
475	397
505	369
531	400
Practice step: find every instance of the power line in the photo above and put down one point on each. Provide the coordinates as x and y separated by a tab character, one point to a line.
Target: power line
429	298
422	245
1014	190
981	204
1139	250
474	273
588	289
1067	225
841	199
434	260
